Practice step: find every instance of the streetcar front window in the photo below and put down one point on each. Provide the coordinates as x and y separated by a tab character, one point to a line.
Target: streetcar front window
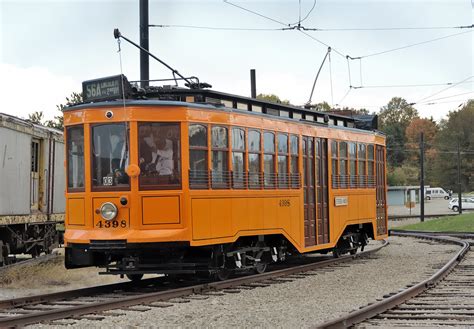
75	158
110	156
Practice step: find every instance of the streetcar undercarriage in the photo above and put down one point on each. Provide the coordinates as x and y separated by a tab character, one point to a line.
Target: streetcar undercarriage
248	254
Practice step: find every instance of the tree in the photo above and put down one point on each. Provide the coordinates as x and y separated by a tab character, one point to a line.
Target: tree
456	129
394	118
58	122
36	117
273	98
412	134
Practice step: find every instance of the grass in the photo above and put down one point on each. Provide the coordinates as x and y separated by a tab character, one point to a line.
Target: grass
459	223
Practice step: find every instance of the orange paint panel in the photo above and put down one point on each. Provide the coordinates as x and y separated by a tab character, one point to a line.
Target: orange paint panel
240	220
255	213
284	214
160	210
201	212
270	207
221	220
296	220
75	212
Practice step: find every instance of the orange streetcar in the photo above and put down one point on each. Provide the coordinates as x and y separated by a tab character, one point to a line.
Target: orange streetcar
176	180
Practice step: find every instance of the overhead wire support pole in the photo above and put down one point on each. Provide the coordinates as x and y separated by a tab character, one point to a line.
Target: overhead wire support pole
459	179
422	177
317	75
144	43
118	35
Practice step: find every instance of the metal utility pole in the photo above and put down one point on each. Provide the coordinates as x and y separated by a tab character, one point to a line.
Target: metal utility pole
144	59
459	178
253	84
422	177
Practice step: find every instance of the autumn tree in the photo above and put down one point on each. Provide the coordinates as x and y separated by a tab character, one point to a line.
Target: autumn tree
458	128
394	118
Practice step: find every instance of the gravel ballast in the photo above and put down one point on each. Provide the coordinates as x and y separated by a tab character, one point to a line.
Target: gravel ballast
304	302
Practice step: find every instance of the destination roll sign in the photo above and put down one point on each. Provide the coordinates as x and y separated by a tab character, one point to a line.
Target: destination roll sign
105	89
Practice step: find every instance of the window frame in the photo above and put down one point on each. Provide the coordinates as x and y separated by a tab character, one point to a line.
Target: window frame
76	189
151	187
226	183
199	186
273	181
91	155
244	156
250	184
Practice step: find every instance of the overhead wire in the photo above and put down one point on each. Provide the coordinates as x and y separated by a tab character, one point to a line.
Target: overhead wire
255	13
410	45
442	90
398	28
307	15
214	28
408	85
435	99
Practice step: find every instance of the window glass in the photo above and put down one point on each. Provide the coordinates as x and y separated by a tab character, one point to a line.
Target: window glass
159	150
198	168
343	149
220	168
334	149
282	143
269	170
219	137
294	144
238	139
269	142
238	169
110	155
254	141
197	135
361	154
370	151
254	170
75	157
352	150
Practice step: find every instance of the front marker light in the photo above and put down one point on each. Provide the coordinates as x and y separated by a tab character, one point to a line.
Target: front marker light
108	211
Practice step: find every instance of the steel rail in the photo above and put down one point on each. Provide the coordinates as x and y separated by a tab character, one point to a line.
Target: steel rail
38	299
455	234
401	297
25	319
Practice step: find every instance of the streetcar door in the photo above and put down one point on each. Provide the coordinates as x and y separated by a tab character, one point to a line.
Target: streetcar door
309	195
34	175
322	209
380	187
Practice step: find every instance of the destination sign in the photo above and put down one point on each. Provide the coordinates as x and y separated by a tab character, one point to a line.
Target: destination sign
105	89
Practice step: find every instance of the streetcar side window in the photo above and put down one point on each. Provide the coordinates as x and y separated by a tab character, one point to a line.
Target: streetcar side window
361	162
238	157
370	166
159	152
75	158
220	150
198	169
343	177
353	163
269	159
294	170
334	156
110	156
283	161
254	158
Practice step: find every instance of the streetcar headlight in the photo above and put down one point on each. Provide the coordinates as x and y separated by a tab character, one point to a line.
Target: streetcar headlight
108	211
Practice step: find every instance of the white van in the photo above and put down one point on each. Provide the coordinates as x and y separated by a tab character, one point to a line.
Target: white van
436	192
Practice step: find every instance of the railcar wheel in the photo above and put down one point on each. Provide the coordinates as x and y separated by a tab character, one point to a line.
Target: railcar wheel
223	274
260	268
135	277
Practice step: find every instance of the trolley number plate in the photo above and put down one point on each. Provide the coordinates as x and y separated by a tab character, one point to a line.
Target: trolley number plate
111	224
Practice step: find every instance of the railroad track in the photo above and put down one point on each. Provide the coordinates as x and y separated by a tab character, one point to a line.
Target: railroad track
96	302
444	299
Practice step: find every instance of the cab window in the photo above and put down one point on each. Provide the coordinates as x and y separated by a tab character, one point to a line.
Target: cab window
110	156
75	158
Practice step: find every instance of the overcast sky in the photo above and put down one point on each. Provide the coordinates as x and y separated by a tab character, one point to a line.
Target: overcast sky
47	48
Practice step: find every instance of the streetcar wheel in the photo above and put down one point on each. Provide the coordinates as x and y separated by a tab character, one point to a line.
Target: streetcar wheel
353	251
223	274
135	277
260	268
336	252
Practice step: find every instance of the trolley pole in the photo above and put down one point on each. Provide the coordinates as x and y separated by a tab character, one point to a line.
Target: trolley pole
144	43
459	179
422	177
